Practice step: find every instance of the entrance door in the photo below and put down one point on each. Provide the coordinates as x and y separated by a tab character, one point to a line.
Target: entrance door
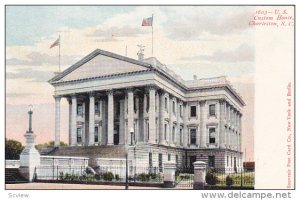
192	160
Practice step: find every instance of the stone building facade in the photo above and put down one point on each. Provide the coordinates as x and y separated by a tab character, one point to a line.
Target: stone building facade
116	100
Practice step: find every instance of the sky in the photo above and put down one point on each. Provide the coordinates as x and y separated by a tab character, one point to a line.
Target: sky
191	40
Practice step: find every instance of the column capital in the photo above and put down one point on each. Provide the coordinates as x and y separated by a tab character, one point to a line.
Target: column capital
222	101
73	96
151	87
57	97
110	92
130	89
202	102
91	94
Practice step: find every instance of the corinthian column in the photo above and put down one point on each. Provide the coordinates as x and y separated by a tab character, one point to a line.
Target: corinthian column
74	121
202	125
130	114
57	120
110	118
152	116
92	120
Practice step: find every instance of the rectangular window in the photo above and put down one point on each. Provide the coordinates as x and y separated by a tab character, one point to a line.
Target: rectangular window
212	135
193	136
79	109
212	110
173	134
79	138
96	134
211	161
160	161
169	157
193	111
166	104
150	160
176	160
174	107
97	108
180	135
227	161
165	132
180	110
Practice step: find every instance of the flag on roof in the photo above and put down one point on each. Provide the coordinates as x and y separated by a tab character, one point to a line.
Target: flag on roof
56	43
147	21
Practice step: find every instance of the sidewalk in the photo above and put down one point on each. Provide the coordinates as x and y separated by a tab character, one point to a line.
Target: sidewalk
59	186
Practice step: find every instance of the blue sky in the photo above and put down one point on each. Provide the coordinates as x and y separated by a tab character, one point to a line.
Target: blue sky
25	25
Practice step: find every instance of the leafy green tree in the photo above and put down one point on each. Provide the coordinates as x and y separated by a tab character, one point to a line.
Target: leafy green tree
49	144
13	149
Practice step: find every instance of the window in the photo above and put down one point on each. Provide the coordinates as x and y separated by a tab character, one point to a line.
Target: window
160	160
227	161
211	161
212	135
176	160
193	136
212	110
165	132
97	108
79	109
148	103
173	134
150	160
173	107
96	134
180	110
166	104
79	138
193	111
148	131
180	135
169	157
135	104
117	110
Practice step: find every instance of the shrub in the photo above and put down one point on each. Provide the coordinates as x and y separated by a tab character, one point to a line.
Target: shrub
153	175
211	179
117	177
229	181
143	177
61	175
108	176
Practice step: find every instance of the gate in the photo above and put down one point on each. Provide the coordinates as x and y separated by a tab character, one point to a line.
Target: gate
184	177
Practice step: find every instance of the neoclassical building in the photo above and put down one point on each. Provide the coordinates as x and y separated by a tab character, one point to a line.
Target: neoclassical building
116	101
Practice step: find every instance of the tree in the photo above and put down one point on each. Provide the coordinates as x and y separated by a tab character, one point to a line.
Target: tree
49	144
13	149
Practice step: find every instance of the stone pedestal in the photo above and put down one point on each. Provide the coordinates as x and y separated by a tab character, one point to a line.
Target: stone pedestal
169	174
199	175
29	158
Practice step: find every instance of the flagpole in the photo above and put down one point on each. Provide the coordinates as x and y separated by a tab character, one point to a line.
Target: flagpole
152	34
59	55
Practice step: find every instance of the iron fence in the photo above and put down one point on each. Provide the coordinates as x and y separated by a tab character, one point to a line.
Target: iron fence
99	174
231	177
184	177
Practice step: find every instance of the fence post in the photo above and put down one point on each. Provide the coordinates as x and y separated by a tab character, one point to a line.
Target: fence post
169	174
241	177
199	175
57	172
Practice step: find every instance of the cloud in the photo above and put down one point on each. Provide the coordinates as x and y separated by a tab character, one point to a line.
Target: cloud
36	58
196	21
125	31
32	74
244	53
18	95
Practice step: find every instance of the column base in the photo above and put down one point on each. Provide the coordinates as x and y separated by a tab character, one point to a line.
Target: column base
198	186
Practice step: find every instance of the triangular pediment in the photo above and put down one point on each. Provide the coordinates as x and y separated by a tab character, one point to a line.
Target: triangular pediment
101	63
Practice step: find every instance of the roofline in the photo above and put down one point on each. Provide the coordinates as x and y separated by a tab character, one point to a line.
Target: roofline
93	54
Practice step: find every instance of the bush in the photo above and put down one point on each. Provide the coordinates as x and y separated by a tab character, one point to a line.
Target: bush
229	181
117	177
61	176
211	179
153	175
108	176
143	177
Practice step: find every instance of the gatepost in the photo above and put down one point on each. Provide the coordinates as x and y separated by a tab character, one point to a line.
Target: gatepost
169	174
199	175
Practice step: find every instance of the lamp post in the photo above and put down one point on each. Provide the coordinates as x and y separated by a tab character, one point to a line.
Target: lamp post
127	149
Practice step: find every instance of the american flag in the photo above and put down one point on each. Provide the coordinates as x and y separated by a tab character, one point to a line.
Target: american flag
147	21
56	43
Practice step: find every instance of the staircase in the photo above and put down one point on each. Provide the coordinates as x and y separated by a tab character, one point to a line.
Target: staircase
12	176
92	152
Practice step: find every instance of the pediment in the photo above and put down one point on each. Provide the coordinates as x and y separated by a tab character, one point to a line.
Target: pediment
100	63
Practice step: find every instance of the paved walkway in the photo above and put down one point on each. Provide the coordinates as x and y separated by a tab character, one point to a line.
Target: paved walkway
60	186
